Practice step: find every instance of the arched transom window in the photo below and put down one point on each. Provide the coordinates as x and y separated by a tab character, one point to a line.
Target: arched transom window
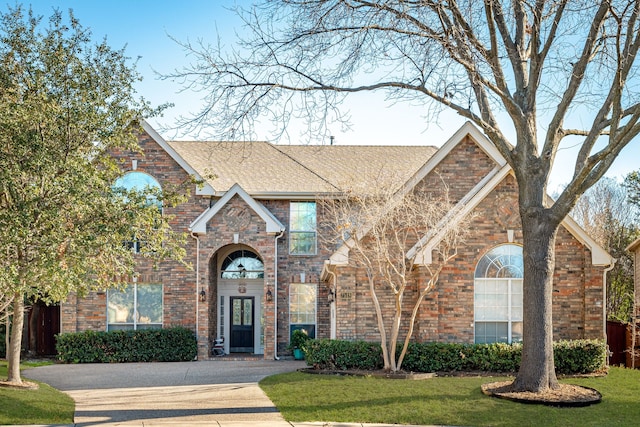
498	295
140	182
242	264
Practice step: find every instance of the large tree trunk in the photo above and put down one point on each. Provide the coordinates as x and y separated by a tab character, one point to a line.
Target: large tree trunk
537	370
13	351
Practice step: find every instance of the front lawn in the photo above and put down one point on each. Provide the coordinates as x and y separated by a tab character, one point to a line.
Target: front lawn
43	406
444	401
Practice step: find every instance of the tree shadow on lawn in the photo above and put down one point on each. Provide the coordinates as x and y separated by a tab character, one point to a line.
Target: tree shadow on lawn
448	401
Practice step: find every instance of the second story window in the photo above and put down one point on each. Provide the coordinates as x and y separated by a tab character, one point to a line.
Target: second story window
302	228
145	185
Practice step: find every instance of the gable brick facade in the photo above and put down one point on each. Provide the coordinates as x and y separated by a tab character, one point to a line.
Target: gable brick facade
446	314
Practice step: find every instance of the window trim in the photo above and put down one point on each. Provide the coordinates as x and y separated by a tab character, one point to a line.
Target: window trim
135	325
245	273
488	260
510	321
136	245
293	231
315	309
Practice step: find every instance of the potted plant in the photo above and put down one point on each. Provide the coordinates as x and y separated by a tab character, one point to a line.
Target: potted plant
298	343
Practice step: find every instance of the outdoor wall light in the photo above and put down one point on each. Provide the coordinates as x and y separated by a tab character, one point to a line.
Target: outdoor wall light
203	296
269	295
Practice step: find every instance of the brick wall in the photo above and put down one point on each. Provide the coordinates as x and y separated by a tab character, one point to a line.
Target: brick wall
447	313
179	281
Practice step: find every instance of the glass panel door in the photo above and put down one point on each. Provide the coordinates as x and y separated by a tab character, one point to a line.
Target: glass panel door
242	320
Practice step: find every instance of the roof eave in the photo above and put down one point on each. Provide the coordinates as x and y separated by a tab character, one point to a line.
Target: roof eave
204	189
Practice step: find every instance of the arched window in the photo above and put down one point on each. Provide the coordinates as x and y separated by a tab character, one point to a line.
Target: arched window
498	295
242	264
139	181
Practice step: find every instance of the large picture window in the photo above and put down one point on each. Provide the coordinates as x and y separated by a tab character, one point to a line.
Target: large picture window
303	307
138	306
498	295
302	228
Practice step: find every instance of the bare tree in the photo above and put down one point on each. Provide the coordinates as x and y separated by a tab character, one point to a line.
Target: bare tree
544	71
379	222
607	214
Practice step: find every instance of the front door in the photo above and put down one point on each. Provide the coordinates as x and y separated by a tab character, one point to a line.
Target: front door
242	320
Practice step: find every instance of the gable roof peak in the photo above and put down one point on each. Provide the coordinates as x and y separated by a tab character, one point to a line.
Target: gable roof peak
273	225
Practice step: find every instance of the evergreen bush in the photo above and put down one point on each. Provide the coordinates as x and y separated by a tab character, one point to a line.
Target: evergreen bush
571	357
147	345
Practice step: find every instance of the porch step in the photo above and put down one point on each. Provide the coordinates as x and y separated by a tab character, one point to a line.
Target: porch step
237	357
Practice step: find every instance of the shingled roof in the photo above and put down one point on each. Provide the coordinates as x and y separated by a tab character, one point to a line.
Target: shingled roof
267	170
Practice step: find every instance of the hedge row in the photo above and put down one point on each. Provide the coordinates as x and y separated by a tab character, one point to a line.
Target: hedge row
147	345
571	357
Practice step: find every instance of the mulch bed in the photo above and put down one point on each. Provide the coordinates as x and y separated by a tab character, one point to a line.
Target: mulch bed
567	395
379	374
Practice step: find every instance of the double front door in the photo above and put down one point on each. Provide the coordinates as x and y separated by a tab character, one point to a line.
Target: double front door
241	336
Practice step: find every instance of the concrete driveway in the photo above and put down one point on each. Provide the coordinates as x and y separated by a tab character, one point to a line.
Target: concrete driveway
216	392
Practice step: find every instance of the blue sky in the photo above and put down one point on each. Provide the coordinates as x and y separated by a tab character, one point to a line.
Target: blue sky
144	27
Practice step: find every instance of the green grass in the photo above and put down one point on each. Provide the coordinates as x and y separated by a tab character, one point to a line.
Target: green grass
43	406
445	401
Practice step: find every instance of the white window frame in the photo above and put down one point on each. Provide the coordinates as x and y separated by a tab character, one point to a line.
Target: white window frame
293	300
135	325
511	318
508	274
293	231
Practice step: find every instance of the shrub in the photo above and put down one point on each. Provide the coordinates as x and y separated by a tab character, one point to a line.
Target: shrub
147	345
571	357
299	340
339	354
580	356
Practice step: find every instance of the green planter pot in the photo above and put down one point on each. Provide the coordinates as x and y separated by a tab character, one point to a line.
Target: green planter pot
298	354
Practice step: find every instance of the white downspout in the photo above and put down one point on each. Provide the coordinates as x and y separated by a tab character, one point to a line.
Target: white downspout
604	303
275	295
195	236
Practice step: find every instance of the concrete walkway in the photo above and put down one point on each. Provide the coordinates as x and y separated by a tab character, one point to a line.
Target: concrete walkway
182	392
204	393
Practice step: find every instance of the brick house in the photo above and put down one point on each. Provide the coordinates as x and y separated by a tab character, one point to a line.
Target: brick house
258	272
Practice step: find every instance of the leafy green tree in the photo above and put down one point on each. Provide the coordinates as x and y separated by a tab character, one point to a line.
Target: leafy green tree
549	72
632	184
65	105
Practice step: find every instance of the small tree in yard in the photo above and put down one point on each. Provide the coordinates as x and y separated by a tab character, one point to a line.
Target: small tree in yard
379	222
64	106
553	74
